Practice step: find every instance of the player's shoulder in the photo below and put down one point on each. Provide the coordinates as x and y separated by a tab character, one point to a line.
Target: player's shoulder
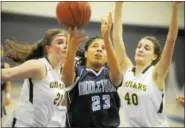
34	62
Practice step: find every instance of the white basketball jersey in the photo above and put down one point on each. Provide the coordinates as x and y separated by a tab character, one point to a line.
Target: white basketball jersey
48	93
59	117
142	100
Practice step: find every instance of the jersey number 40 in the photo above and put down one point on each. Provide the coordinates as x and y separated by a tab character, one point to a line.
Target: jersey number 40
131	98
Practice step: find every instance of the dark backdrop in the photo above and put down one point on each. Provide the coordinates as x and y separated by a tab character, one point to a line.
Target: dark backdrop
29	29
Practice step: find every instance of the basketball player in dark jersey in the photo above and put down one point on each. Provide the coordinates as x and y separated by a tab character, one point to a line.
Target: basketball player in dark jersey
5	87
93	101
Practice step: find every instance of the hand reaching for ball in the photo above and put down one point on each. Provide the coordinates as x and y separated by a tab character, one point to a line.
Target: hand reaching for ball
75	39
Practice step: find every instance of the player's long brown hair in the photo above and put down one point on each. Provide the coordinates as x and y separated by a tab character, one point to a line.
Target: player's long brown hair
20	53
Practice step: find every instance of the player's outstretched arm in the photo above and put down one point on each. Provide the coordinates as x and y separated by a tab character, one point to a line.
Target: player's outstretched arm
118	38
29	69
68	70
162	67
113	63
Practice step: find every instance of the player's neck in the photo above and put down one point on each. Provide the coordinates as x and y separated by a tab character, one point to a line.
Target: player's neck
93	67
55	63
140	68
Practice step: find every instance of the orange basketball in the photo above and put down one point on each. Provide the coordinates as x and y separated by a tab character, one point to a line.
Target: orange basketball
71	14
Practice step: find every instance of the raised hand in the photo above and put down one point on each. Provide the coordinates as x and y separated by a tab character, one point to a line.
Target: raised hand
176	3
119	2
106	26
75	39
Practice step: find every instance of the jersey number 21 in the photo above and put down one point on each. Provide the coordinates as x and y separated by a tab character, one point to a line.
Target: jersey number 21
58	99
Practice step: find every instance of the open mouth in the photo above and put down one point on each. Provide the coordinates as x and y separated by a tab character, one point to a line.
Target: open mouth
140	55
64	52
98	56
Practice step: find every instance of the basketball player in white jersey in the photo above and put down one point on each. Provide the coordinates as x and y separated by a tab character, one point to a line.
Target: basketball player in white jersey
42	91
142	92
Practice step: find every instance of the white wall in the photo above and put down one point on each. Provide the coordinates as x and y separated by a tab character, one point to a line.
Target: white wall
139	13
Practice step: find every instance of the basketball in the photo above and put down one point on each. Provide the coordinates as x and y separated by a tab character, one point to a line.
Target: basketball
71	14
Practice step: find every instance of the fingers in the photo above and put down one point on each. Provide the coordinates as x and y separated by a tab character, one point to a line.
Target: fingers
180	99
77	36
110	18
176	3
103	23
82	39
72	31
119	2
106	25
81	35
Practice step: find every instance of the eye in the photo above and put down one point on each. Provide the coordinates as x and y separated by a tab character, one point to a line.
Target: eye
139	46
60	42
147	48
103	47
94	46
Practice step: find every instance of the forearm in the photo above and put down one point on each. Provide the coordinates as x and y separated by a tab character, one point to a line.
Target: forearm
162	66
118	31
8	75
118	37
166	57
68	71
113	62
117	28
173	28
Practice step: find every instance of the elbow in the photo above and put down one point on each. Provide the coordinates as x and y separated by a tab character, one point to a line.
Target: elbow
67	82
172	36
117	79
117	38
67	78
171	39
5	76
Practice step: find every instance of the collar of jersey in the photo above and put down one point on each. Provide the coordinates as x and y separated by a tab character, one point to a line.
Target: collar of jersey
96	73
50	66
134	69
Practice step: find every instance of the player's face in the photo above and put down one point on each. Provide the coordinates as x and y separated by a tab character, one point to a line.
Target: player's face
145	52
58	47
96	54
